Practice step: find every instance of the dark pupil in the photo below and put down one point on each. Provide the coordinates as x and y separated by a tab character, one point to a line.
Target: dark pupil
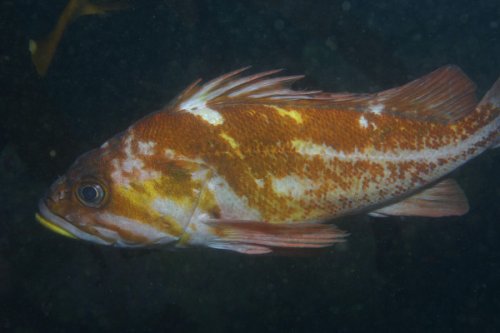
89	193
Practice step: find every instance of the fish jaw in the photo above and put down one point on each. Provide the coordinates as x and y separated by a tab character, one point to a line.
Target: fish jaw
110	230
53	215
52	226
63	227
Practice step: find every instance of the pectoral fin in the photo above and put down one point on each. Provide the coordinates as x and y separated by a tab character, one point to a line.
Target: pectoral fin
257	237
443	199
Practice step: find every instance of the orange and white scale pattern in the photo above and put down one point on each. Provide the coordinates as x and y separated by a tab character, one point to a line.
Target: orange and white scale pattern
281	162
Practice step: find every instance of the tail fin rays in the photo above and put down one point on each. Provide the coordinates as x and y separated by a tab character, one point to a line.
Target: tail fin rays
491	101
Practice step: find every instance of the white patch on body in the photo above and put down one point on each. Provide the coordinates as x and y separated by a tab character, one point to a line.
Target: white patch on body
197	105
293	186
143	230
171	209
363	122
117	174
231	205
170	154
146	148
105	145
459	150
132	164
376	109
259	182
200	233
173	155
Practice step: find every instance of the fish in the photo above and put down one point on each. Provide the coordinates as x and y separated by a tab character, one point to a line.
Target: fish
248	164
43	50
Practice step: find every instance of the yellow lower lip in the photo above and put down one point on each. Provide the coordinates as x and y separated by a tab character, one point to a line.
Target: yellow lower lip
46	223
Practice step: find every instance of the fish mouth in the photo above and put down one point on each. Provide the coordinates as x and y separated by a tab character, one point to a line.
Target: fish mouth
59	225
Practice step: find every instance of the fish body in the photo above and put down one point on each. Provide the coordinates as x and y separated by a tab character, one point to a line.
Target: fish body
248	164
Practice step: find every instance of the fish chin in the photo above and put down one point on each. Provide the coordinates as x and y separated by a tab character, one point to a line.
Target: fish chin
63	227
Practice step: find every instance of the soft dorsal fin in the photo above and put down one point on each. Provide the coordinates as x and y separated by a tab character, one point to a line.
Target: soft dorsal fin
444	95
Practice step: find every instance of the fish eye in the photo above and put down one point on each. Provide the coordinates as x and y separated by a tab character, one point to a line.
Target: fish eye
90	194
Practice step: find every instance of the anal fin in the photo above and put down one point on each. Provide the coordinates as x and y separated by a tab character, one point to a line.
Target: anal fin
257	237
446	198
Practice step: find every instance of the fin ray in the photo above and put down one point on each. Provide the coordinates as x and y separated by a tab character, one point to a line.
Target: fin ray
446	198
445	95
492	101
244	236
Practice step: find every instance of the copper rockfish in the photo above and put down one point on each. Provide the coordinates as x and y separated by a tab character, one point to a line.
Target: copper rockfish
245	163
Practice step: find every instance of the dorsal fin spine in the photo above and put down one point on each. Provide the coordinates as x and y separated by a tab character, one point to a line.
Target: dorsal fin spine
444	96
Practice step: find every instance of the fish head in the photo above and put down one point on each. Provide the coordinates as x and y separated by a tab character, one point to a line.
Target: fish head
122	198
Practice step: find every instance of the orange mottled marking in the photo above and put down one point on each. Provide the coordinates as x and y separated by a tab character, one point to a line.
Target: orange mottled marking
265	151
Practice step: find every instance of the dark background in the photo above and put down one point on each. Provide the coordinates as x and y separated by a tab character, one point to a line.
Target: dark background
410	275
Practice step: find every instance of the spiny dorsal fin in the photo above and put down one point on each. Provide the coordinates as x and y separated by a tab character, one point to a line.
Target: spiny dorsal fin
230	88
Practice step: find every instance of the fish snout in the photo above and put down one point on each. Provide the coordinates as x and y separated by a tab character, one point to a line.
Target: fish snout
58	190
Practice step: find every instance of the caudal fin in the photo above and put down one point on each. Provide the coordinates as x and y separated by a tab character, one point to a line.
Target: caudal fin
492	97
491	101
